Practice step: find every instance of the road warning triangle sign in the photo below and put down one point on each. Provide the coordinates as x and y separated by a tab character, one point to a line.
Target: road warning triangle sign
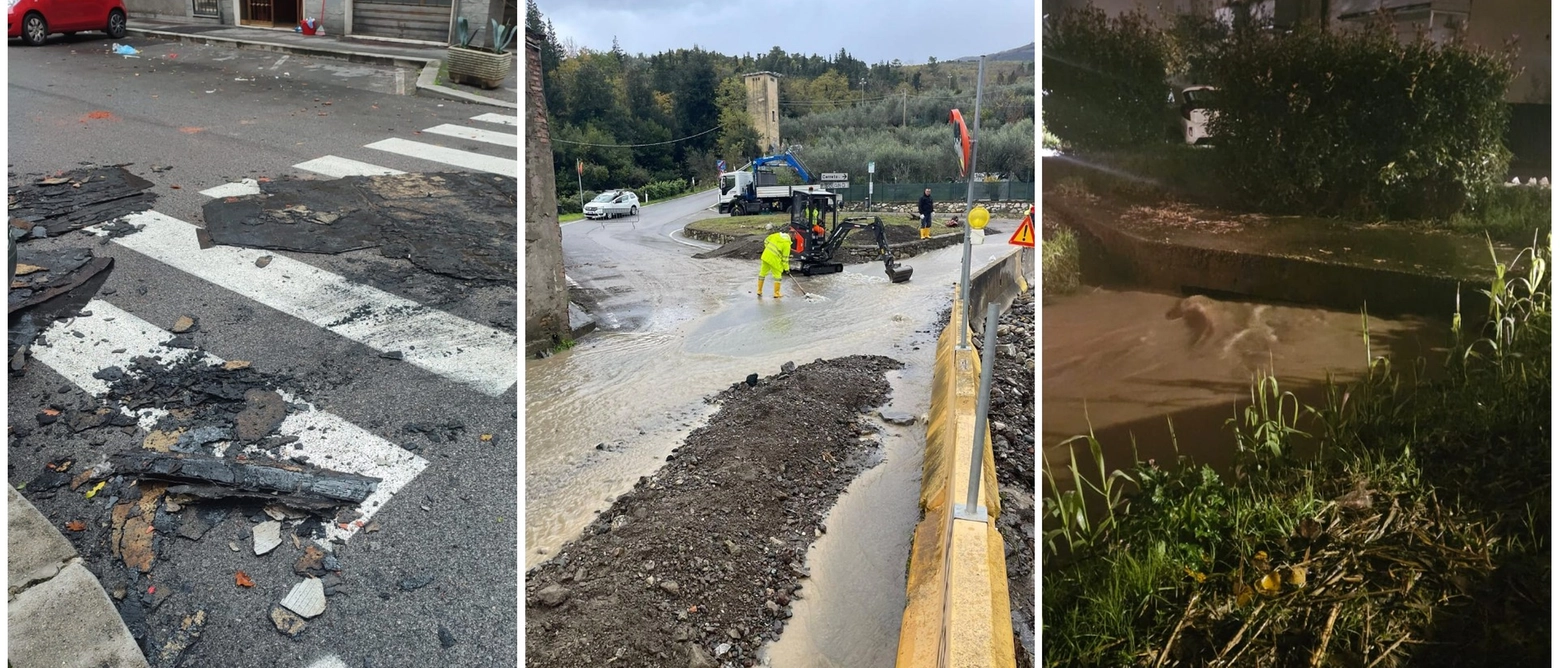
1025	234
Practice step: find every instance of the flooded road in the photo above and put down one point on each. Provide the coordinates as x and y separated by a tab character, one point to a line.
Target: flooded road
673	330
1124	360
854	602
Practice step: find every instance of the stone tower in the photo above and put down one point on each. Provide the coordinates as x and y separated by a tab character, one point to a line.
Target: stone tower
763	105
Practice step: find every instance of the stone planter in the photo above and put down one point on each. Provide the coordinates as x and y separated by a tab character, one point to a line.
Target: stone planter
483	69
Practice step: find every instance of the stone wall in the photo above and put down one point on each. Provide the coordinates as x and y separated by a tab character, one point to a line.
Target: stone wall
546	294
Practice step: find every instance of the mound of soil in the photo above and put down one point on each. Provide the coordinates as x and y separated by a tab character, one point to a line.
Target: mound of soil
1012	422
698	564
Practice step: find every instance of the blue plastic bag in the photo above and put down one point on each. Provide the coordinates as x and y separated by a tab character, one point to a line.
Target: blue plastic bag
125	50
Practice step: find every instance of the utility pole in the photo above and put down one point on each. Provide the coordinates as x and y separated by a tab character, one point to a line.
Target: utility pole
863	91
902	108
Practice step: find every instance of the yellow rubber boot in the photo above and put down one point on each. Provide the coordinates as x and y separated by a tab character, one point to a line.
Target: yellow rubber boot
760	292
777	289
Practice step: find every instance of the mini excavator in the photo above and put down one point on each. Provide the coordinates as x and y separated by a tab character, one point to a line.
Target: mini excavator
817	255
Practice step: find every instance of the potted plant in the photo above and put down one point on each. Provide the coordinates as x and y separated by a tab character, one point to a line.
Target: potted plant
485	67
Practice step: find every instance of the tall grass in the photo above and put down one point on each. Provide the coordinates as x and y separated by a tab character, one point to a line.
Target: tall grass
1414	532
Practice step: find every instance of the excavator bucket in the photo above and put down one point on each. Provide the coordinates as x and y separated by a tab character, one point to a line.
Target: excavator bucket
897	273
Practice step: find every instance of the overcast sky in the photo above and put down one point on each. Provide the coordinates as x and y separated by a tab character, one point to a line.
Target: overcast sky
871	30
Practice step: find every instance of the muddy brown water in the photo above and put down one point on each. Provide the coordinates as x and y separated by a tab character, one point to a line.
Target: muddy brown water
638	391
1112	360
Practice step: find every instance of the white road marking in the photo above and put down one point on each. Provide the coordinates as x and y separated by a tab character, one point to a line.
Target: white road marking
510	139
327	440
331	661
279	62
240	189
336	168
498	118
509	167
460	350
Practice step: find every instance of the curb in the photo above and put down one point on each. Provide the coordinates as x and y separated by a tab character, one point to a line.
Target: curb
57	612
425	80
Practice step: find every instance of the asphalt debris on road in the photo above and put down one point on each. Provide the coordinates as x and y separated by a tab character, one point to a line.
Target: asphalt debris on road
185	451
699	563
75	199
455	224
1012	425
57	286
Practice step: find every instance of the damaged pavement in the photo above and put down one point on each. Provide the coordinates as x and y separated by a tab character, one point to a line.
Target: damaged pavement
190	453
456	224
176	482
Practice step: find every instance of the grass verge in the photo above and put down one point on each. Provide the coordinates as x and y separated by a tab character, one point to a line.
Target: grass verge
1059	272
1413	529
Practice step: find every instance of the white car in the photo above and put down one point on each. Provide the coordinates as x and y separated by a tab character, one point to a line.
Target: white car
613	203
1196	112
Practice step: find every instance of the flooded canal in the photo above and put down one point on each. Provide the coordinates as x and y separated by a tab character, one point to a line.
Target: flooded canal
1124	361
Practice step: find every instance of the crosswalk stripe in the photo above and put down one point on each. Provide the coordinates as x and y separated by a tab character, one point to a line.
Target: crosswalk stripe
510	139
509	167
324	438
497	118
336	168
460	350
240	189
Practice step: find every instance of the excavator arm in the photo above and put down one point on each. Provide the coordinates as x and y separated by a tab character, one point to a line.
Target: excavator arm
822	254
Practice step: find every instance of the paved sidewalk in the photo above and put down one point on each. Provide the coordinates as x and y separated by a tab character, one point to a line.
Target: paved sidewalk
58	614
427	58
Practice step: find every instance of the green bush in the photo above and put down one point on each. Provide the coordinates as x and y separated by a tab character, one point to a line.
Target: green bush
1104	81
1360	122
655	192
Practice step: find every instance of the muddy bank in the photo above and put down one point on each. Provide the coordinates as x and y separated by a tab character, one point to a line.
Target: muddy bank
699	563
1012	422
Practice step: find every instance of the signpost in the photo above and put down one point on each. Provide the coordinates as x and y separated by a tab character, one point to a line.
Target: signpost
579	174
871	167
835	181
969	201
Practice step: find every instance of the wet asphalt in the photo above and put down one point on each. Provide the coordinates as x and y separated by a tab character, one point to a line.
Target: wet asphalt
215	116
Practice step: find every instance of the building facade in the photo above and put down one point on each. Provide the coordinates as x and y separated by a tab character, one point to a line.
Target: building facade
424	21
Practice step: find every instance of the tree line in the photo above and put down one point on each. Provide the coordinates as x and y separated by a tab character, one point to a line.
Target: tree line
635	120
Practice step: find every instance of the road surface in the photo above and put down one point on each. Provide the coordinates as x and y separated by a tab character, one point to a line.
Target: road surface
674	330
447	510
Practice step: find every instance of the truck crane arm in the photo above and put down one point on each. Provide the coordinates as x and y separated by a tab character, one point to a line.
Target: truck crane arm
789	160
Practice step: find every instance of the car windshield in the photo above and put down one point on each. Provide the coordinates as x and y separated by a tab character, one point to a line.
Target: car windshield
1201	98
605	197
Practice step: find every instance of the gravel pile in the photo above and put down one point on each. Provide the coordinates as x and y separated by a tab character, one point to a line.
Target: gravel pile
698	565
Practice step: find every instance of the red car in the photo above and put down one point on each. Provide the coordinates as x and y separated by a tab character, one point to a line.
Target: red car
35	20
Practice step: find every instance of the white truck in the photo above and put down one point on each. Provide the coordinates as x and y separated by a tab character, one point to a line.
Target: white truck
753	189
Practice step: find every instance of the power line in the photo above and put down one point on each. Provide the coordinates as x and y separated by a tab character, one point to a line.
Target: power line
658	143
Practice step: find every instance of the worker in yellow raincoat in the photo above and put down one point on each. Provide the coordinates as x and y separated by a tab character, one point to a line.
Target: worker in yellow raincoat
776	260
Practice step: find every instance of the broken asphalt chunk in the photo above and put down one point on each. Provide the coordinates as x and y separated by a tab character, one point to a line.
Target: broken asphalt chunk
104	193
208	477
458	224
